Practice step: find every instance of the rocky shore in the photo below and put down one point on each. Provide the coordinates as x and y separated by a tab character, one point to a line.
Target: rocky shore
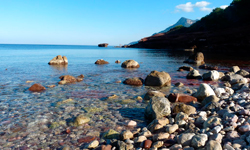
210	116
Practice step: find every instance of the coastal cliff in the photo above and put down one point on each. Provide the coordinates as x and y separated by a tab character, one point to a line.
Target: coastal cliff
223	29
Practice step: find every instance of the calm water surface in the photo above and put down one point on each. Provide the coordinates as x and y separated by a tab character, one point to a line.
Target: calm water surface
21	63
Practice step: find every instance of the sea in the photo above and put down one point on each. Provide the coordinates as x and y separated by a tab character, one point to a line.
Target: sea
27	118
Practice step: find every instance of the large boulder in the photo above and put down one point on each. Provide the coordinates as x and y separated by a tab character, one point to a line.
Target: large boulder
37	88
211	75
158	107
130	64
204	91
134	81
103	45
67	79
101	62
59	60
194	74
156	78
197	58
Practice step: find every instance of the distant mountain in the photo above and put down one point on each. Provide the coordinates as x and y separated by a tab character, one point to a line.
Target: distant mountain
181	22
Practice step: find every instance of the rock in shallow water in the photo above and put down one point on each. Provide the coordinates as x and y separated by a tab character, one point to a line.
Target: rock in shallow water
37	88
130	64
134	81
67	79
101	62
59	60
156	78
81	119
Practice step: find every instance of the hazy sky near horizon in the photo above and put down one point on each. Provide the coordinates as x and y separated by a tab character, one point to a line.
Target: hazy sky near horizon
90	22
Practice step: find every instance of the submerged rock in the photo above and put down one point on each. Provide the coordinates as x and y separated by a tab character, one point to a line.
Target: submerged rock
156	78
134	81
111	134
59	60
81	119
67	79
37	88
130	64
151	94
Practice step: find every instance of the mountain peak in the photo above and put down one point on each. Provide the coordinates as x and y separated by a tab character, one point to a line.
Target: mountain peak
182	21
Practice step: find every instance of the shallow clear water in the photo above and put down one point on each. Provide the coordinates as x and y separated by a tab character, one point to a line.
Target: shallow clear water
23	112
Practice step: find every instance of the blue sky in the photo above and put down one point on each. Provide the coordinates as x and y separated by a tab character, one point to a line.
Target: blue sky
89	22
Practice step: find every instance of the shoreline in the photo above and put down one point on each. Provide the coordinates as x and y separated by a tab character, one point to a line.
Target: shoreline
55	127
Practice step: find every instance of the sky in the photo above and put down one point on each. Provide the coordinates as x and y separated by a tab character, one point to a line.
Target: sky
90	22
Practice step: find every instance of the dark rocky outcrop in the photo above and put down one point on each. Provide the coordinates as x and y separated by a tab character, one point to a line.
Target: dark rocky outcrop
223	30
103	45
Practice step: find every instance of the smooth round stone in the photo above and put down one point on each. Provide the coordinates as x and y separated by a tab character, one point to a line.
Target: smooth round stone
132	123
127	135
244	128
204	91
172	129
228	147
199	140
106	147
147	144
179	84
213	145
211	121
216	137
158	144
185	138
93	144
129	141
81	119
232	135
160	136
140	139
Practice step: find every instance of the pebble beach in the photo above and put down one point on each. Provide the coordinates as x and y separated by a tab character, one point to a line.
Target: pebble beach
202	109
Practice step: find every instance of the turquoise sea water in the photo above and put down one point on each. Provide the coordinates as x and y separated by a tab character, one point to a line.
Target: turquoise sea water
22	109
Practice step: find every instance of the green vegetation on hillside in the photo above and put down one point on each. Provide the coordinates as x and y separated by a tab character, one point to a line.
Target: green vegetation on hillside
237	14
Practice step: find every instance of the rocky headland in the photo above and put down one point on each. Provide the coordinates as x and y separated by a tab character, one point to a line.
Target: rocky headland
220	31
